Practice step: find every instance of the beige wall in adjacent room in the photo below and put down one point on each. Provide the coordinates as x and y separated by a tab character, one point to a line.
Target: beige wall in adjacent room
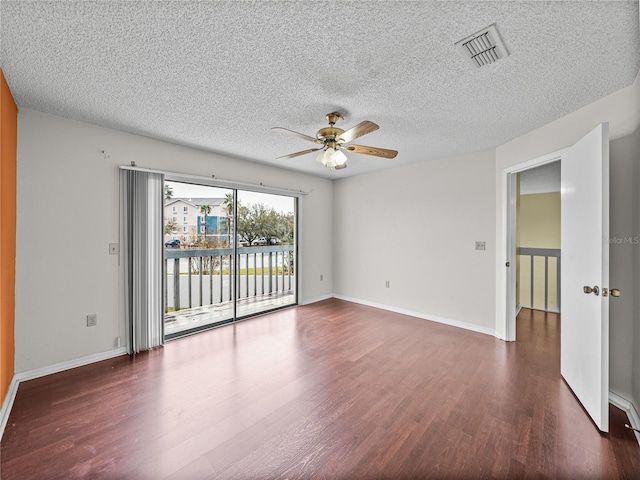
538	221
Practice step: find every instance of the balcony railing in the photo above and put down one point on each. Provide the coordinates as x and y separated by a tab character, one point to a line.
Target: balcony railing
204	277
540	278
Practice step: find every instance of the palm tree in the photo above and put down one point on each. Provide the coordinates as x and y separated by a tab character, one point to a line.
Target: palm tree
205	210
228	206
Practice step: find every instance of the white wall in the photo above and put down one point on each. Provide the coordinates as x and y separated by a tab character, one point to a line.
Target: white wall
68	214
416	226
620	110
624	156
636	263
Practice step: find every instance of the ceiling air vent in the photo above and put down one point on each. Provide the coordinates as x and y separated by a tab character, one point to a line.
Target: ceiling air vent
483	47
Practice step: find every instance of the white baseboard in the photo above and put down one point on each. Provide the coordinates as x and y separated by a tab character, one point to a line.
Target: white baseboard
8	404
317	299
61	367
627	407
41	372
424	316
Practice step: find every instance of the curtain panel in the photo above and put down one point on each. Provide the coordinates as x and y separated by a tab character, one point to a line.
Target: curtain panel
142	195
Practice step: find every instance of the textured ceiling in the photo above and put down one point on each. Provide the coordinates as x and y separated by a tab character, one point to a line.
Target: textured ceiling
217	75
542	179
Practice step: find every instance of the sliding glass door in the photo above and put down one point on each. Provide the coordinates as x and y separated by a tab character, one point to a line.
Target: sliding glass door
228	254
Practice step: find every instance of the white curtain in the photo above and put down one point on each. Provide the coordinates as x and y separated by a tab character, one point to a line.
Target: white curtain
142	198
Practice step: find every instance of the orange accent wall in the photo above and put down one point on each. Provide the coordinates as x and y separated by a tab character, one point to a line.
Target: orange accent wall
8	151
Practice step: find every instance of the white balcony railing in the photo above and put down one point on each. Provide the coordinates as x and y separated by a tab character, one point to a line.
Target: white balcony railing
202	280
540	278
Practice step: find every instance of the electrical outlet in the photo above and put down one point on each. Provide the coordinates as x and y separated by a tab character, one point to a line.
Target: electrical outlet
481	245
92	320
387	284
113	249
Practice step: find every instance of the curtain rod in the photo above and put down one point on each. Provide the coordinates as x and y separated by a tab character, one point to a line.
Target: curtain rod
216	182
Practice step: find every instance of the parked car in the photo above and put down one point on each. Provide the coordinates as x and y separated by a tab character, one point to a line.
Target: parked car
259	241
175	243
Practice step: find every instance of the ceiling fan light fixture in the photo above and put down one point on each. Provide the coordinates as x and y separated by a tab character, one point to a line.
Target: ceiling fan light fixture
331	158
322	157
340	157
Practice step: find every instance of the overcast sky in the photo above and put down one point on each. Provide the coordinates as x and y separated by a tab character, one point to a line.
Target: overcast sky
278	202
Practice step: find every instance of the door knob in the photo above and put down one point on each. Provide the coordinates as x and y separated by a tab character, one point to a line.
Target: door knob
614	292
595	290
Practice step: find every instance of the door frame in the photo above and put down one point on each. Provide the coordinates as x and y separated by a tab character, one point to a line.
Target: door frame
507	285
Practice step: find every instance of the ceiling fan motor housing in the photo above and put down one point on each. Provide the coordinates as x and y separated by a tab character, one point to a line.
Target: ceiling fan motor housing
329	134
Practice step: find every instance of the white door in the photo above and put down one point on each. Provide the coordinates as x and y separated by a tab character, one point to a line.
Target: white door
584	353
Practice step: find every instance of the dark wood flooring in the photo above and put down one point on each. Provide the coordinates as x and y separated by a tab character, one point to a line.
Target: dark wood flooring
329	390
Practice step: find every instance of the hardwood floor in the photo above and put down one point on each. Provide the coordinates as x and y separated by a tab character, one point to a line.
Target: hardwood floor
329	390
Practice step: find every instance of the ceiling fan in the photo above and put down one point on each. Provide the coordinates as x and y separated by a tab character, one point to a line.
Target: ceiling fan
333	140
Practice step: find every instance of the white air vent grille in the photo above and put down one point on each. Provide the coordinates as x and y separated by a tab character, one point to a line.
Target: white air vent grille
483	47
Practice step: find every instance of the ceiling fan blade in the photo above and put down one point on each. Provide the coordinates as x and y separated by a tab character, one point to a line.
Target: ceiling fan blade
291	133
359	130
297	154
340	167
378	152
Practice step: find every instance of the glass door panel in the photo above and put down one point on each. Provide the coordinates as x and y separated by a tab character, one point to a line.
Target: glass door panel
199	257
266	252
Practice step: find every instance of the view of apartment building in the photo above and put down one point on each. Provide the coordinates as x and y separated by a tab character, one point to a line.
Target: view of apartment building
188	218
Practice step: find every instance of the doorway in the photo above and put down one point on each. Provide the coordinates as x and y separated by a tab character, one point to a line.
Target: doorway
585	287
511	293
228	254
538	252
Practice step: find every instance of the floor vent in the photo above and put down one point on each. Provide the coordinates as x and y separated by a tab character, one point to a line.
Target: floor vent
483	47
